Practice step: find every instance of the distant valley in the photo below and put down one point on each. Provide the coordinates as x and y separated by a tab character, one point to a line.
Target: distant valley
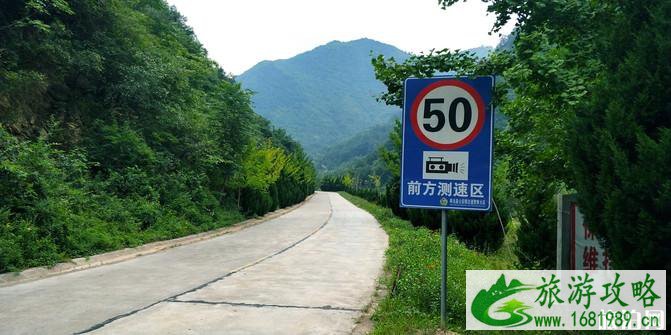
326	99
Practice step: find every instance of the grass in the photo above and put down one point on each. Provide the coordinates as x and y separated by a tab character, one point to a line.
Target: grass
413	281
412	305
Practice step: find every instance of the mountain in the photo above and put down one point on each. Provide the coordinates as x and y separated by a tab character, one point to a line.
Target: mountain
323	96
358	154
338	157
481	51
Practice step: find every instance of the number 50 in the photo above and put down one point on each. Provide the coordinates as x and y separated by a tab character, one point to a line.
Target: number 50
451	115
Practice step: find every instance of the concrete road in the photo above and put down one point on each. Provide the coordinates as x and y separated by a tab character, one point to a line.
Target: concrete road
310	271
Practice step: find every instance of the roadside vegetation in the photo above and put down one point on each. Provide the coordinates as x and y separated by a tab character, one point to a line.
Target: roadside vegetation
116	129
412	303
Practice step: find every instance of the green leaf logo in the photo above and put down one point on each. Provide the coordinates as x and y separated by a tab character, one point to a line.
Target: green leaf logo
515	309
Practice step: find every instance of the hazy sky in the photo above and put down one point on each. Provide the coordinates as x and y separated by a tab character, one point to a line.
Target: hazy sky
240	33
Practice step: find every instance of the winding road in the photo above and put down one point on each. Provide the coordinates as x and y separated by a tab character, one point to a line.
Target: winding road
310	271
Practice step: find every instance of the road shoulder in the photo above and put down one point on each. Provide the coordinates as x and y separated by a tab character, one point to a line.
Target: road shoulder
83	263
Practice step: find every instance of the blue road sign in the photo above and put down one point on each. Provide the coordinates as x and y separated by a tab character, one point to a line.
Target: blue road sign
447	143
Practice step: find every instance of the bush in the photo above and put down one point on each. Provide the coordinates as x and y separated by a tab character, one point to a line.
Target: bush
332	184
52	210
621	141
117	146
256	202
335	183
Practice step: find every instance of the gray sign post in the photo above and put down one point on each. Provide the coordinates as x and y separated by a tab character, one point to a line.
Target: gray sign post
443	268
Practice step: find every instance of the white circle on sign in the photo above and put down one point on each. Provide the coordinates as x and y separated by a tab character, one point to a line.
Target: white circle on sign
448	115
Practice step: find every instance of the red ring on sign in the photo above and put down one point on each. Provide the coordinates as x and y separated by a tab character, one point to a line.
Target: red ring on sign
448	82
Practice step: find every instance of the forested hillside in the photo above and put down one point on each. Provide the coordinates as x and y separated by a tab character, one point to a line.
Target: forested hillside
116	129
340	154
325	95
358	157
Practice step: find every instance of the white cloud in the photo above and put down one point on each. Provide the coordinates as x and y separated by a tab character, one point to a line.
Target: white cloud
241	33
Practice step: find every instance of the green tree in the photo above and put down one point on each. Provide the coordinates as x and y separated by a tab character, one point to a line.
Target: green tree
116	129
588	111
622	139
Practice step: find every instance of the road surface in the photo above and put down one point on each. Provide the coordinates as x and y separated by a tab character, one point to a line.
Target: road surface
310	271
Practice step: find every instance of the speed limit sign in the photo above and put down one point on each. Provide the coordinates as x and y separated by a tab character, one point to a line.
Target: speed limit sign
447	143
447	114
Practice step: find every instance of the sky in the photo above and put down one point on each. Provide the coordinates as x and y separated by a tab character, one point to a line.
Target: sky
240	33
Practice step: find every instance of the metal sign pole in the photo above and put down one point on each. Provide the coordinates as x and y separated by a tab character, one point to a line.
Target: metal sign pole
443	268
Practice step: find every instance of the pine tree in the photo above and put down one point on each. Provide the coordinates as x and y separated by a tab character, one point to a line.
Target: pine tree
622	142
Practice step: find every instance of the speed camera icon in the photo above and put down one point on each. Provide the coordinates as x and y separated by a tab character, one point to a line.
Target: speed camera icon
445	165
436	165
